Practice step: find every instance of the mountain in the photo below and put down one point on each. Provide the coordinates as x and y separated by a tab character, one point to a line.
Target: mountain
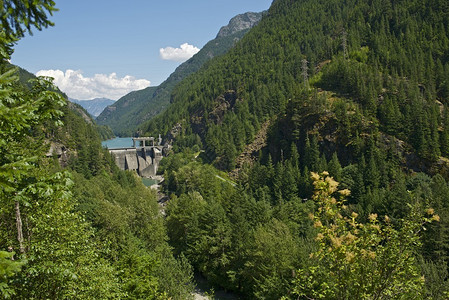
121	116
356	92
94	106
311	161
132	110
239	23
371	63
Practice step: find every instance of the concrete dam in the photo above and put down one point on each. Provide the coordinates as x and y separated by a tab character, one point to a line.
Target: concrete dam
143	157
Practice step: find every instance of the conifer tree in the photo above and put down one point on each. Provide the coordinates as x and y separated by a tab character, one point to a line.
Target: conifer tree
334	167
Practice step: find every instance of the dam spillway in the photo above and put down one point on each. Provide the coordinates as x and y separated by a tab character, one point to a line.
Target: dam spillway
143	157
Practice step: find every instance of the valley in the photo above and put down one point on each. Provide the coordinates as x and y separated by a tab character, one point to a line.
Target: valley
301	154
95	106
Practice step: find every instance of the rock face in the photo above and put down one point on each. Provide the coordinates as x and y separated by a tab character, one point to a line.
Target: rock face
239	23
222	104
250	153
60	152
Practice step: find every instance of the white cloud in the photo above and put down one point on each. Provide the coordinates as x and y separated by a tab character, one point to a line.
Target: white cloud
76	86
183	53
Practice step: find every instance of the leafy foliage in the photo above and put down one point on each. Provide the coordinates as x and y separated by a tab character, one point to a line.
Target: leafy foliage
357	88
234	240
8	268
19	16
356	260
64	241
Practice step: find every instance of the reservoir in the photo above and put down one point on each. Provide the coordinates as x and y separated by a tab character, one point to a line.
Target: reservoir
118	142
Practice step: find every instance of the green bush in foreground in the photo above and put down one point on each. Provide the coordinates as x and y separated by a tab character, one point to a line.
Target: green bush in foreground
354	260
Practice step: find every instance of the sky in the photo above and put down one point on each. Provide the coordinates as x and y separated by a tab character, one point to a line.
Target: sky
107	48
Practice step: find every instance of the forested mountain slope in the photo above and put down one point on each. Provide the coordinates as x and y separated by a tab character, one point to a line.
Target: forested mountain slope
69	229
323	91
133	109
390	60
355	88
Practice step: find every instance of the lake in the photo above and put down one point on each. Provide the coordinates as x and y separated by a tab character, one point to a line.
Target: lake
118	143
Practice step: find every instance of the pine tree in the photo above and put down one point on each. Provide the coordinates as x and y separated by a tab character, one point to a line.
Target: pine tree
371	173
444	137
311	153
334	167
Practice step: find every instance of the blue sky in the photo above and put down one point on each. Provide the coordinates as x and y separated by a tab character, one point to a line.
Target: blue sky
111	42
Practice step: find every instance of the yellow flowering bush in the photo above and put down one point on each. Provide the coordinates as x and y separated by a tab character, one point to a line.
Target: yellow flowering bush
354	260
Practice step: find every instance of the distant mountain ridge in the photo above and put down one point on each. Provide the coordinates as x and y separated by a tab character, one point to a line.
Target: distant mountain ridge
94	106
130	112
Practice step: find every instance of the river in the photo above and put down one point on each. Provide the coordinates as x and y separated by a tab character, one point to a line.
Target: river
202	288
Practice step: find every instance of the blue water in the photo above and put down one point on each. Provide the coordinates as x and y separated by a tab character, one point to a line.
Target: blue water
118	143
149	182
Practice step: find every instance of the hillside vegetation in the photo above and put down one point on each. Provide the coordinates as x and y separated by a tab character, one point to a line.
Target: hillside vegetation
390	60
69	228
331	119
127	115
358	89
83	236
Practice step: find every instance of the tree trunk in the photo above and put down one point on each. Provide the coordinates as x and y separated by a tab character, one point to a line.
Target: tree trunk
19	228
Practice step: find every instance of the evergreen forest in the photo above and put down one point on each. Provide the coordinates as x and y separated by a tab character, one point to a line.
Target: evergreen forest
129	114
310	161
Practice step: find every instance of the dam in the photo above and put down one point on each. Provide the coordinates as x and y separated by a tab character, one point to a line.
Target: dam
143	157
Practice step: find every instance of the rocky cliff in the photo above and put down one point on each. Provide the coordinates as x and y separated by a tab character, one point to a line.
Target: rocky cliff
239	23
